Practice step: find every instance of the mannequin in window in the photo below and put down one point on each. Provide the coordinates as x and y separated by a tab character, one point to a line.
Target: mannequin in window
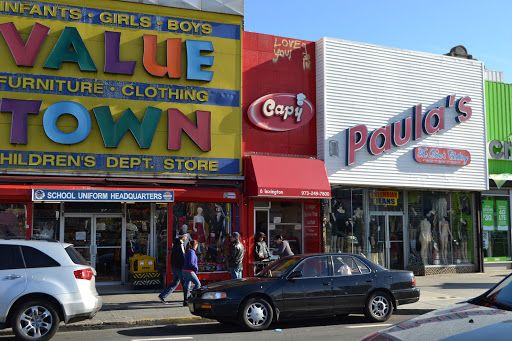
198	230
373	238
358	228
464	237
445	234
218	228
334	232
425	239
413	228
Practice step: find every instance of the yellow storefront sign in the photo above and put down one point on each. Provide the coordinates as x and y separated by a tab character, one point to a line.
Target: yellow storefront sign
115	87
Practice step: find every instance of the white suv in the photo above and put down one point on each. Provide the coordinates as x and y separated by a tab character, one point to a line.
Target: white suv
43	283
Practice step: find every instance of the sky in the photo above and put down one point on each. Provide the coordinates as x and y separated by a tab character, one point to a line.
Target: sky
483	27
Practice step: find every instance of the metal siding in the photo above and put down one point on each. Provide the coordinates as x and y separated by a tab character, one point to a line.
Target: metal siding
375	86
320	101
498	101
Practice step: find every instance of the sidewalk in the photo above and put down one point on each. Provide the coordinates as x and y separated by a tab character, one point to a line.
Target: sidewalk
124	307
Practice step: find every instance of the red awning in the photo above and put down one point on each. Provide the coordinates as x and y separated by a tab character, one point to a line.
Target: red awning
286	177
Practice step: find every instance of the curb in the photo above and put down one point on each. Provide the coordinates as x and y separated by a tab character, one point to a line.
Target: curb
112	325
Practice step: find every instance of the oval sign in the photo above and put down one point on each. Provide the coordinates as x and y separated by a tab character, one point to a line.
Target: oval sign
281	112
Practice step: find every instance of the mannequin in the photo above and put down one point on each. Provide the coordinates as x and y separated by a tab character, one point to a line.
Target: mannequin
373	238
445	234
464	237
343	219
425	239
184	229
358	228
413	229
218	228
334	232
199	230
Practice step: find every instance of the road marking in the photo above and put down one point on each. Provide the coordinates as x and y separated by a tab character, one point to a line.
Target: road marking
165	338
370	325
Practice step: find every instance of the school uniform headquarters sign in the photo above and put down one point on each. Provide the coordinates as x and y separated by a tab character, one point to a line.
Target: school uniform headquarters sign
107	87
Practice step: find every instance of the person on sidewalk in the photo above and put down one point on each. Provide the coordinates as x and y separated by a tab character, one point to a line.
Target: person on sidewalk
262	253
236	256
177	261
190	269
283	249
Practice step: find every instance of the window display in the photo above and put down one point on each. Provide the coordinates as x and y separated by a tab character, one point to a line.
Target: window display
13	220
440	228
210	224
345	229
496	229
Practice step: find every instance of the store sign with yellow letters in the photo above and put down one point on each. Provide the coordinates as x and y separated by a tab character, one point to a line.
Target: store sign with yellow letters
115	87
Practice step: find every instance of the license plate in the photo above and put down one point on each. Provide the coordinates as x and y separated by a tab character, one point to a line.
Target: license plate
191	307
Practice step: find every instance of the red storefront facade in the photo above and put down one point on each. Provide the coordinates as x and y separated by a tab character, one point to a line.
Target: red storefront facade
284	183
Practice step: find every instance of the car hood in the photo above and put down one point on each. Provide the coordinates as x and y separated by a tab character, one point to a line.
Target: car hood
462	321
232	283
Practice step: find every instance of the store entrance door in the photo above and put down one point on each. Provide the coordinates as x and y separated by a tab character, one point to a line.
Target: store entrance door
99	238
386	239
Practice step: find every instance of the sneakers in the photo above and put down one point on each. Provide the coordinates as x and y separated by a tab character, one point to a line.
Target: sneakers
161	299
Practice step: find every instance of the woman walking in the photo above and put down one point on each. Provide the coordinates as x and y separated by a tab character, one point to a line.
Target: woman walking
190	268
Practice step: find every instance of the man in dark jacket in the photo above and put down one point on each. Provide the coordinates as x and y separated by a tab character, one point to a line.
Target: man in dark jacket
177	261
236	256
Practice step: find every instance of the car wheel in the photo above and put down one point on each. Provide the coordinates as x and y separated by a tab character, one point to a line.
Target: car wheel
256	314
35	320
378	307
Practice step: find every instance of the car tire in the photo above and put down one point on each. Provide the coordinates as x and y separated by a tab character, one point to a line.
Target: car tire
256	314
35	320
379	307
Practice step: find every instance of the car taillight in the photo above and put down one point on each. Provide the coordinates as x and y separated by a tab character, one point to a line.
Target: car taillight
413	281
84	274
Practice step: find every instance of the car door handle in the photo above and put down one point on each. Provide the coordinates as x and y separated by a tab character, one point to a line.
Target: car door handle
326	283
13	277
369	280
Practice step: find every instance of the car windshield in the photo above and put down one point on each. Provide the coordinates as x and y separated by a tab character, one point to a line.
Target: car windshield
501	296
280	267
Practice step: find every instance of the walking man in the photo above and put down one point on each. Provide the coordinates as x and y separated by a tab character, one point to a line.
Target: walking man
236	256
177	261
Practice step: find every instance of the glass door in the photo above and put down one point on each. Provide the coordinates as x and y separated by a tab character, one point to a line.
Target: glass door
386	239
395	227
98	238
108	238
78	231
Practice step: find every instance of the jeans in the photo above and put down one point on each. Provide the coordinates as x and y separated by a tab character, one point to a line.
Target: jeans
187	278
176	278
236	272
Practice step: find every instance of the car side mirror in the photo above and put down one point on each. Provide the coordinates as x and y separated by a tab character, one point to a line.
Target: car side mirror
295	274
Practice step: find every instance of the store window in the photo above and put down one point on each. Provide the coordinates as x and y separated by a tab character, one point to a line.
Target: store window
440	228
46	221
496	228
210	224
345	227
285	219
13	220
161	236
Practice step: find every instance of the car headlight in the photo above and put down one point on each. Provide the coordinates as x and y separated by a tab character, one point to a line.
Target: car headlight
213	295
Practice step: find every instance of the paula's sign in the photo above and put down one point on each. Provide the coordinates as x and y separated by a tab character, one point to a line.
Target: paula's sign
281	112
400	133
442	156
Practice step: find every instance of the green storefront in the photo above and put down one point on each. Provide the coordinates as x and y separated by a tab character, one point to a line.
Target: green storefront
496	234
